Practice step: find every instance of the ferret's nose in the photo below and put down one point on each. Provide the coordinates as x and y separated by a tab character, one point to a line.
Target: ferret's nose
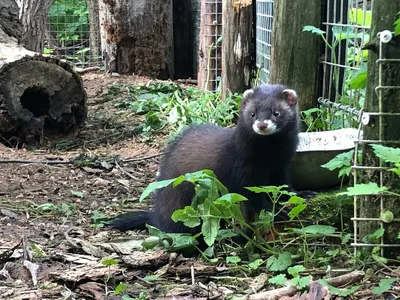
262	126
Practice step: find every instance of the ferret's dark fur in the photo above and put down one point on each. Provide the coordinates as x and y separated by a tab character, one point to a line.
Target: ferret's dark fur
239	157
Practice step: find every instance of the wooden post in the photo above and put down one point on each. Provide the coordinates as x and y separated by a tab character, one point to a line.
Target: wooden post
384	128
209	48
137	37
237	19
295	54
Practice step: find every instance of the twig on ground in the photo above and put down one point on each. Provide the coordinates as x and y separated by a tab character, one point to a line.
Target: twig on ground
45	162
142	158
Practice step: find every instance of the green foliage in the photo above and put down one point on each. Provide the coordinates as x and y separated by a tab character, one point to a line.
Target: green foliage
300	282
233	260
65	209
389	155
397	25
364	189
315	229
121	287
69	18
211	204
360	17
339	292
313	29
280	263
312	117
342	162
109	262
384	285
168	106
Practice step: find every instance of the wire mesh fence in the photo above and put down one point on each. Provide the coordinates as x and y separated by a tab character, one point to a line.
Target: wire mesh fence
346	31
212	65
72	34
264	18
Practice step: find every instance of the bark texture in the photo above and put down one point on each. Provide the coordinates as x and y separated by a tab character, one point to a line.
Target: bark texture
33	14
40	96
295	54
386	128
94	34
236	46
138	37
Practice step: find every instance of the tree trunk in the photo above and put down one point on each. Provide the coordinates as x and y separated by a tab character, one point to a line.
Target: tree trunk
295	54
138	37
9	19
33	14
384	128
237	20
40	96
94	29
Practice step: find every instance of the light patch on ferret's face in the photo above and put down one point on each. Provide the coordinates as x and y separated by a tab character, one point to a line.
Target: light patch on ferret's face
265	127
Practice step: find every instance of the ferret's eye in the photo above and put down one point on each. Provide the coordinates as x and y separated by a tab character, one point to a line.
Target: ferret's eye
253	114
277	113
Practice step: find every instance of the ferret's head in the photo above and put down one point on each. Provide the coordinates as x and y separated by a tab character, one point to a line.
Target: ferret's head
269	109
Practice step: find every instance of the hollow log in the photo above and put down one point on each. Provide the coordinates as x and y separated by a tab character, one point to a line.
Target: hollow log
40	96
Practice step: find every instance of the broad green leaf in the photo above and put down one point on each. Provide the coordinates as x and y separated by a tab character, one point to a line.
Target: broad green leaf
359	78
155	185
339	161
296	200
229	199
266	189
278	280
209	229
121	287
109	262
364	189
339	292
313	29
255	264
397	25
343	32
211	222
316	229
225	234
187	215
346	238
300	282
151	278
295	211
233	260
384	285
388	154
295	270
281	263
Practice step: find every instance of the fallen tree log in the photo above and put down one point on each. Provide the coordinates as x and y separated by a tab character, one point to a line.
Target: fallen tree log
40	96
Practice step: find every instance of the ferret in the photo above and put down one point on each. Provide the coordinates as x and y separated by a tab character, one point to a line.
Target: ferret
257	152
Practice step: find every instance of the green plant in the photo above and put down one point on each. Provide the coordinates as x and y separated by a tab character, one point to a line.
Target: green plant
212	203
168	106
65	209
69	18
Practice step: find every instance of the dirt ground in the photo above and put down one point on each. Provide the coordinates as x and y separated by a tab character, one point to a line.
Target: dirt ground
50	197
32	180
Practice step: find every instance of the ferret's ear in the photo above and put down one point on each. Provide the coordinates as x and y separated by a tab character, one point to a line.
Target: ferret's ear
290	96
246	95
